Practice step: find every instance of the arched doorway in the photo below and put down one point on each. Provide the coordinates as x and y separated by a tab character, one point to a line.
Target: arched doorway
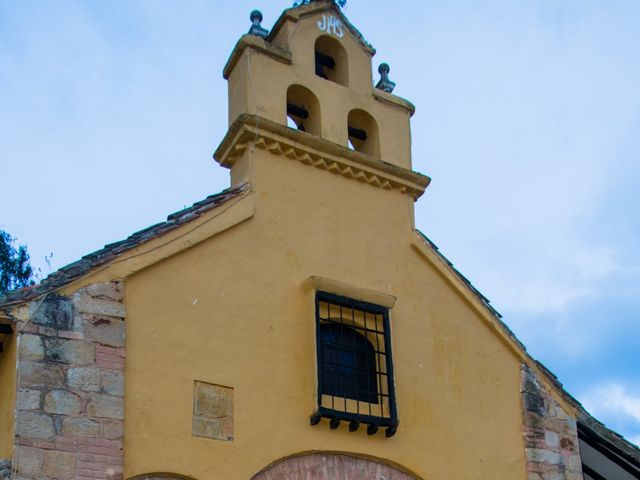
328	466
160	476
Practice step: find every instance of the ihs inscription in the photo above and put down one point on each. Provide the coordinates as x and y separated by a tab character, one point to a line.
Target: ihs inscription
331	25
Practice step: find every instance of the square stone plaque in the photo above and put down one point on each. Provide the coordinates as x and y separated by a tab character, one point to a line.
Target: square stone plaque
212	411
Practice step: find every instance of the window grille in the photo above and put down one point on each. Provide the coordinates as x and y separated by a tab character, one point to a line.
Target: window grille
355	369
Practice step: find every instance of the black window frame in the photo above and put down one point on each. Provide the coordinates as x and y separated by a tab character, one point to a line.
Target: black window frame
388	399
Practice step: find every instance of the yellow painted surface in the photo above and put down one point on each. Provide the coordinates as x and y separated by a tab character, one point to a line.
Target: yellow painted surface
251	91
237	308
234	311
7	396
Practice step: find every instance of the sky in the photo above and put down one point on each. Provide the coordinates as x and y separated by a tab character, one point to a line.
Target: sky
528	122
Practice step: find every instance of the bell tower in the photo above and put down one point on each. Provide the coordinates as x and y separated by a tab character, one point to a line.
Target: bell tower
305	90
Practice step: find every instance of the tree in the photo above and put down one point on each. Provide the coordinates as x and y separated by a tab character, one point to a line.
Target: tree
15	269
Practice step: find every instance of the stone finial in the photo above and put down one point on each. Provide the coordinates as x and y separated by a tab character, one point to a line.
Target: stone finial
256	27
385	84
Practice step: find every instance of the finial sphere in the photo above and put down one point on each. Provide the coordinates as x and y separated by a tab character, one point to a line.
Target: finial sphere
256	15
256	29
385	84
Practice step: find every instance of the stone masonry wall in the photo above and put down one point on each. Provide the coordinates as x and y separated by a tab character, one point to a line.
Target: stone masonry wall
70	401
550	434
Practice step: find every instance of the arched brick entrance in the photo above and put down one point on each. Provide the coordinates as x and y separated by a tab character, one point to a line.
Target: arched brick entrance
160	476
330	466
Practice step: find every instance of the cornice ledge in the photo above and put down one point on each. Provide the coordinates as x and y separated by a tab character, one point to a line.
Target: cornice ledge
256	43
337	287
394	100
252	130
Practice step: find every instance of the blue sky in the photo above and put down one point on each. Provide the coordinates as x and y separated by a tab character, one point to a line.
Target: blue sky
528	121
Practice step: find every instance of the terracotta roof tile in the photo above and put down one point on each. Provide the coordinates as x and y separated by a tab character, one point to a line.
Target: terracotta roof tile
77	269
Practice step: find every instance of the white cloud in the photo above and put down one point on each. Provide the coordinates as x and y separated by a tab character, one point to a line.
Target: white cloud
616	404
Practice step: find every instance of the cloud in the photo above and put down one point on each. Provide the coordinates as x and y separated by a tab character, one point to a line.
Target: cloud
617	406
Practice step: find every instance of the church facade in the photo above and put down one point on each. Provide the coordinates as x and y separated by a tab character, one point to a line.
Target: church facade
293	326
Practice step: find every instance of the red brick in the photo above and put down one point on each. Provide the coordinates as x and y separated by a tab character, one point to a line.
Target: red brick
71	335
44	445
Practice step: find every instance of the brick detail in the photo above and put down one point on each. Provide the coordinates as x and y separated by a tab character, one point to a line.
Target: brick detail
160	476
70	403
329	466
550	433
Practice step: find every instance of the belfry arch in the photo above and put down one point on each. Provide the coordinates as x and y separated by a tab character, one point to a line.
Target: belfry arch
327	466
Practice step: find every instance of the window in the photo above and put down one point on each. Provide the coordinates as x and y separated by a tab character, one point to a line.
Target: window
355	371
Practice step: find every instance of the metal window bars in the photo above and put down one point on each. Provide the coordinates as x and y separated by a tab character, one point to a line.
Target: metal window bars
355	368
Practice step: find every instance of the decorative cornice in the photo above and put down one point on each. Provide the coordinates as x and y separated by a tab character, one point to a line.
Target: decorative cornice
394	100
252	131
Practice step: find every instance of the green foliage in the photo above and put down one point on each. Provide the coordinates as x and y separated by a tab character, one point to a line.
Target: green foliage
15	269
341	3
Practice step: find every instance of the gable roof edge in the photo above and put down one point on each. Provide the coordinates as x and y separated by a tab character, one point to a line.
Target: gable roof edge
132	253
482	305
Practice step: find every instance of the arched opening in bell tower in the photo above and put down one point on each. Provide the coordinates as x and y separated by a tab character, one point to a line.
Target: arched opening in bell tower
363	133
303	110
331	60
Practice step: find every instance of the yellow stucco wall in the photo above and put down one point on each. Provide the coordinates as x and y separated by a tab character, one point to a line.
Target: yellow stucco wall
258	84
232	311
7	396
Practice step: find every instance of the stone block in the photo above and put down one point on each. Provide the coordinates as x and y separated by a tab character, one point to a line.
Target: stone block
573	462
86	304
80	427
107	291
34	425
69	352
54	312
62	402
555	424
34	374
31	347
105	330
551	438
105	406
533	420
539	455
112	430
574	475
28	399
553	475
86	379
22	312
29	461
533	403
568	443
113	383
59	465
212	411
